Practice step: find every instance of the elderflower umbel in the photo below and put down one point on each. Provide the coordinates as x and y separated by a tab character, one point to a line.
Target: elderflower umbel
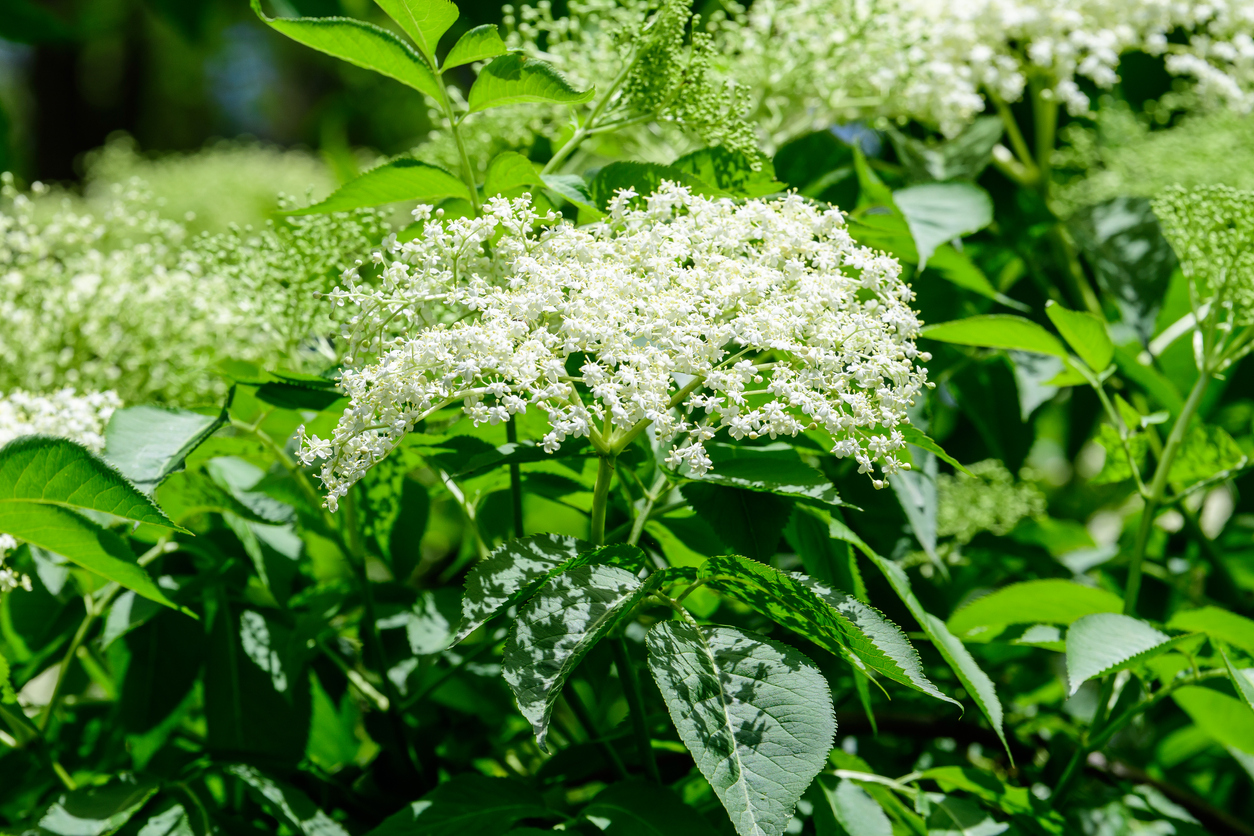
988	500
10	578
1211	228
693	314
63	413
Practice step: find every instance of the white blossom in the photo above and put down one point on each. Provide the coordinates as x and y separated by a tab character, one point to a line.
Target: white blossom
693	314
62	413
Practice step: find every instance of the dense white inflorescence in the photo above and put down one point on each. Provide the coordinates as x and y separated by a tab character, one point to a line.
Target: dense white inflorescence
693	314
10	578
813	63
63	413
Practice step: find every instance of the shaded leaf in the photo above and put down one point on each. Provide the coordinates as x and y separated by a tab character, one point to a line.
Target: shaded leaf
844	803
940	212
478	44
959	817
755	714
1085	333
510	574
467	805
401	179
640	808
1050	601
361	44
569	614
1208	451
97	811
997	331
920	439
748	522
731	171
287	804
1226	719
644	178
773	468
964	156
573	188
1242	681
515	78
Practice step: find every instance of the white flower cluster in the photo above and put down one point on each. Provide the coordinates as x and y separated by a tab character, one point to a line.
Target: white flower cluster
10	578
817	62
693	314
63	413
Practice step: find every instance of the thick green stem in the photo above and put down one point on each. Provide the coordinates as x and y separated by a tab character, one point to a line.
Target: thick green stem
600	499
635	703
515	479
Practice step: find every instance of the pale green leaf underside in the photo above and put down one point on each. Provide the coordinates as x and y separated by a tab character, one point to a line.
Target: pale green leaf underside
510	574
1085	333
755	714
939	212
425	21
516	79
1103	642
857	813
557	628
361	44
479	44
73	536
1051	601
830	618
148	443
401	179
56	471
997	331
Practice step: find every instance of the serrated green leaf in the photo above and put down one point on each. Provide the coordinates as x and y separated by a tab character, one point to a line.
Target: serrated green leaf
569	614
97	810
644	178
731	171
1102	643
425	21
39	470
1085	333
959	659
939	212
514	78
831	619
748	522
148	443
773	468
1242	680
641	808
1226	719
844	807
467	805
510	574
961	157
920	439
957	268
1228	627
361	44
755	714
1050	601
287	804
478	44
401	179
1012	800
573	188
997	331
1116	467
1208	451
509	171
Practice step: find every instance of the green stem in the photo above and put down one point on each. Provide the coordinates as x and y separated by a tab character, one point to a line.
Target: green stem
600	499
650	499
635	703
515	478
582	132
468	173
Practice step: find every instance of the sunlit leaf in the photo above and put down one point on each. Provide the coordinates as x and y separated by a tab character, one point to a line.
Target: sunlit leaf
478	44
425	21
1102	643
997	331
1050	601
401	179
1228	627
940	212
514	78
1085	333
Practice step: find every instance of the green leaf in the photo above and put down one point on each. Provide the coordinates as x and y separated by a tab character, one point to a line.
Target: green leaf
478	44
1085	333
1102	643
511	574
1051	601
644	178
755	714
845	804
148	443
939	212
920	439
573	188
957	268
960	817
1208	451
37	470
7	694
831	619
361	44
573	611
997	331
401	179
1227	627
871	189
748	522
424	21
641	808
959	659
773	468
1116	467
964	156
510	171
467	805
731	171
514	78
884	230
98	810
287	804
1012	800
1227	719
1242	680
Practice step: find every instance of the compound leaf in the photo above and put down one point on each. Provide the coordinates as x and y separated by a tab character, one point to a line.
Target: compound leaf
756	715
